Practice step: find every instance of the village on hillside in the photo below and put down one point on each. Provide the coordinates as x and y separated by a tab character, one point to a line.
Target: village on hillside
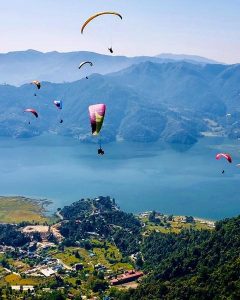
83	251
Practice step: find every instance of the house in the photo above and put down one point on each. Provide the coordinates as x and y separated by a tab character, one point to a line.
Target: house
47	272
126	277
23	287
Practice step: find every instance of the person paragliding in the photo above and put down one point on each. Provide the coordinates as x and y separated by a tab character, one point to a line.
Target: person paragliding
84	63
97	114
37	84
89	20
32	111
226	156
59	105
110	50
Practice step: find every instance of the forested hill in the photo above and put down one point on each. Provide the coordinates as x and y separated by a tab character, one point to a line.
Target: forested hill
192	265
173	102
100	217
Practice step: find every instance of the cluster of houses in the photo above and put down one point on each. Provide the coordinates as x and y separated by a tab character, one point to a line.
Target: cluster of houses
178	219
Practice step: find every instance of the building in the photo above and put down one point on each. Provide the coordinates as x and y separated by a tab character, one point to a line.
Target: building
48	272
23	287
126	277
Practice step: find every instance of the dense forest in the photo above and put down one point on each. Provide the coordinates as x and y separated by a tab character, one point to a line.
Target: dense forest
10	236
191	265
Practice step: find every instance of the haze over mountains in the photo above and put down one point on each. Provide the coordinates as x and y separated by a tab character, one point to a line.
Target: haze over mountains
21	67
150	100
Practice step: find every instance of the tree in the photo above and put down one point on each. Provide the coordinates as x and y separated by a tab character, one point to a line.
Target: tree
139	261
78	282
77	255
99	285
152	217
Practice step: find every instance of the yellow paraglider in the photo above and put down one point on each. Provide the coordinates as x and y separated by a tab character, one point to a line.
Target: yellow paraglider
97	15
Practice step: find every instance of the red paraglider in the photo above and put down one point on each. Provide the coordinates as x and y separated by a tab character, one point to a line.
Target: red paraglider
224	155
33	111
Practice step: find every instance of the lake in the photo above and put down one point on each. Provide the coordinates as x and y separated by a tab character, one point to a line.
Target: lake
139	176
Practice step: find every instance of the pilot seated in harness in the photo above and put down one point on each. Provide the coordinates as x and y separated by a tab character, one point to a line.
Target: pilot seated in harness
100	151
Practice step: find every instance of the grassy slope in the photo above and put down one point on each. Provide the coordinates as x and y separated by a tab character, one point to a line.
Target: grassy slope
18	209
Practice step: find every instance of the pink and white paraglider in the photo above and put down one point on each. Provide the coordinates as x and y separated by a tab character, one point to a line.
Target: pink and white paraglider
224	155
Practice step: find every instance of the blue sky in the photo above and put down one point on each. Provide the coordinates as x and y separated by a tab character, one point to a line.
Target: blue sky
209	28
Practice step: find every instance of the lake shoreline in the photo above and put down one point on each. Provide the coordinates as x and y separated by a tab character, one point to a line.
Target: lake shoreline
17	209
39	206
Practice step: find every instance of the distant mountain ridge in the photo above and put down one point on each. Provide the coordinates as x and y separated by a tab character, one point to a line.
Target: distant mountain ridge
188	58
24	66
176	102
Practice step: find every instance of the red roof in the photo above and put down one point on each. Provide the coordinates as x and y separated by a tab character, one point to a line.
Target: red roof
127	277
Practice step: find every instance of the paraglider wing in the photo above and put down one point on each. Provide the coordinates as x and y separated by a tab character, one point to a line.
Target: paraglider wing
224	155
84	63
97	15
97	113
58	104
37	83
33	111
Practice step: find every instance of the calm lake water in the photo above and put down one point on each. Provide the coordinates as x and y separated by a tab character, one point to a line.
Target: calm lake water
140	176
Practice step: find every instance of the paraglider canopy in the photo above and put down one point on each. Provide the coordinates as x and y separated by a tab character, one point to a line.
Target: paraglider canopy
224	155
84	63
96	113
58	104
37	84
97	15
31	110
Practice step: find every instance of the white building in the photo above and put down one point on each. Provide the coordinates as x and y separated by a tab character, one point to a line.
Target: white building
47	272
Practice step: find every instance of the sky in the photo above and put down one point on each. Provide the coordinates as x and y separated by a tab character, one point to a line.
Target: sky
209	28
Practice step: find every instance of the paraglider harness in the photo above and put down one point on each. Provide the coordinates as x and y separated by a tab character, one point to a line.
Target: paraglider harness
110	49
100	151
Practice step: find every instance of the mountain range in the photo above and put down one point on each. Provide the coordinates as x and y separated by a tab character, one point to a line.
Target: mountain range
24	66
177	102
